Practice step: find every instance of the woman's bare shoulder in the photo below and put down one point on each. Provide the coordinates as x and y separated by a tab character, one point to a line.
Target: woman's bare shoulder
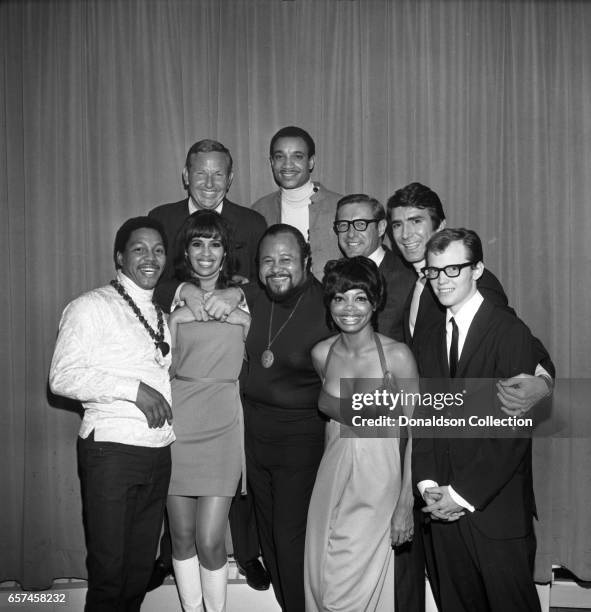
320	350
397	353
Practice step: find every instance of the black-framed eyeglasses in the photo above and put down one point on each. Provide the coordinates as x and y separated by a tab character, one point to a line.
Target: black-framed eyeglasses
451	271
340	227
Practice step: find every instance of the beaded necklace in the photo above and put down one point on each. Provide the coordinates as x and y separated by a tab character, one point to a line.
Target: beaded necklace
158	338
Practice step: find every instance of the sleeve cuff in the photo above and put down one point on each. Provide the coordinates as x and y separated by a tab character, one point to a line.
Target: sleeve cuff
425	484
543	373
177	300
460	500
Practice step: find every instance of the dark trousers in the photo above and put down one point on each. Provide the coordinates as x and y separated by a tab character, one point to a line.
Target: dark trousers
124	491
409	569
479	574
283	452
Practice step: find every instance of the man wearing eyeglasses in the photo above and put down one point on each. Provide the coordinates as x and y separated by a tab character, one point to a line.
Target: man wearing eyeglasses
478	490
416	213
305	204
360	224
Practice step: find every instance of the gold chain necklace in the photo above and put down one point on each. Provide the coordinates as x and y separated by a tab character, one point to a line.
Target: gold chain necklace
267	358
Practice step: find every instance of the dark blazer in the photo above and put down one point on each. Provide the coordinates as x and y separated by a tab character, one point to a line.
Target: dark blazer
399	279
493	474
246	227
431	312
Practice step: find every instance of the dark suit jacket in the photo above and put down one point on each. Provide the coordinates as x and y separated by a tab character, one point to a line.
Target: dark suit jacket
493	474
246	227
399	279
431	312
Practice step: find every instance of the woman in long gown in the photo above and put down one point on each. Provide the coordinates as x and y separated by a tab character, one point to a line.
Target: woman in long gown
208	455
362	503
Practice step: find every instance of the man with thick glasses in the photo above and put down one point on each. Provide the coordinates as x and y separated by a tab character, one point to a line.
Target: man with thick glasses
360	225
416	213
478	491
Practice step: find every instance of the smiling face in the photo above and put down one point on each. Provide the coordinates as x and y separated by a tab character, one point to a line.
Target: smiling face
453	293
280	265
208	178
351	311
354	242
290	162
206	256
143	258
412	227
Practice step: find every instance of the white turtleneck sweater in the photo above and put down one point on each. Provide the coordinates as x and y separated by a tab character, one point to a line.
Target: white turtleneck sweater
294	207
102	353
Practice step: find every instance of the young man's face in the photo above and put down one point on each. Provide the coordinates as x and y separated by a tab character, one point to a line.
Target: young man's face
453	293
412	227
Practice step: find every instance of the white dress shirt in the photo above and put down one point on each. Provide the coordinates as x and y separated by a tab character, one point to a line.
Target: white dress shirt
378	255
102	354
463	319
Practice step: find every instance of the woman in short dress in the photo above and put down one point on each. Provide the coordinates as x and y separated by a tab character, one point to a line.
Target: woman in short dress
362	502
208	455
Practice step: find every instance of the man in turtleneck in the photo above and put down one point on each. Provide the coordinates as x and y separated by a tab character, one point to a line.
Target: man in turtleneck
300	202
284	431
112	354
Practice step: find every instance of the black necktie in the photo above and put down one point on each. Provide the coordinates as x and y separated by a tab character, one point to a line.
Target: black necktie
453	349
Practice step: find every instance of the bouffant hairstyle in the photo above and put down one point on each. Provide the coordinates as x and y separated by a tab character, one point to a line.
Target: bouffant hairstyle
203	224
342	275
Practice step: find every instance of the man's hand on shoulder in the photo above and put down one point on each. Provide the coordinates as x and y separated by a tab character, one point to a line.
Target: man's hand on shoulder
154	406
521	393
220	303
216	304
194	299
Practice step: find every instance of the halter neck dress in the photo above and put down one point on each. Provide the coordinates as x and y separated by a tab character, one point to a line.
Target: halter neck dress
349	562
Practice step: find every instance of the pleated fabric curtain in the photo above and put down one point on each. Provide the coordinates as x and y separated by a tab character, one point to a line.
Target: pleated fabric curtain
486	101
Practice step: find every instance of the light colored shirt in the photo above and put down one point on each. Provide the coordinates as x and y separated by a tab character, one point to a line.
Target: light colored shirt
294	207
194	208
378	255
463	319
102	354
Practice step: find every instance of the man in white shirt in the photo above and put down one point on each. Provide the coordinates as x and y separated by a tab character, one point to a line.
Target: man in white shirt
300	202
478	491
416	214
112	354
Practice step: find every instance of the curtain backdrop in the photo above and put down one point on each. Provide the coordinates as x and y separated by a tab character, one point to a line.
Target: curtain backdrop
488	102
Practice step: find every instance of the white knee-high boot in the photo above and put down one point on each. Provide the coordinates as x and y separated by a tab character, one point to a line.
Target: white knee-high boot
188	583
214	583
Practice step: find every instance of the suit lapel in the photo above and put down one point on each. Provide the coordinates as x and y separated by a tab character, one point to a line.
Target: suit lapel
476	333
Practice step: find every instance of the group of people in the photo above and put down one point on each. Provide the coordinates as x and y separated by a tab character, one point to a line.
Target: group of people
234	405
